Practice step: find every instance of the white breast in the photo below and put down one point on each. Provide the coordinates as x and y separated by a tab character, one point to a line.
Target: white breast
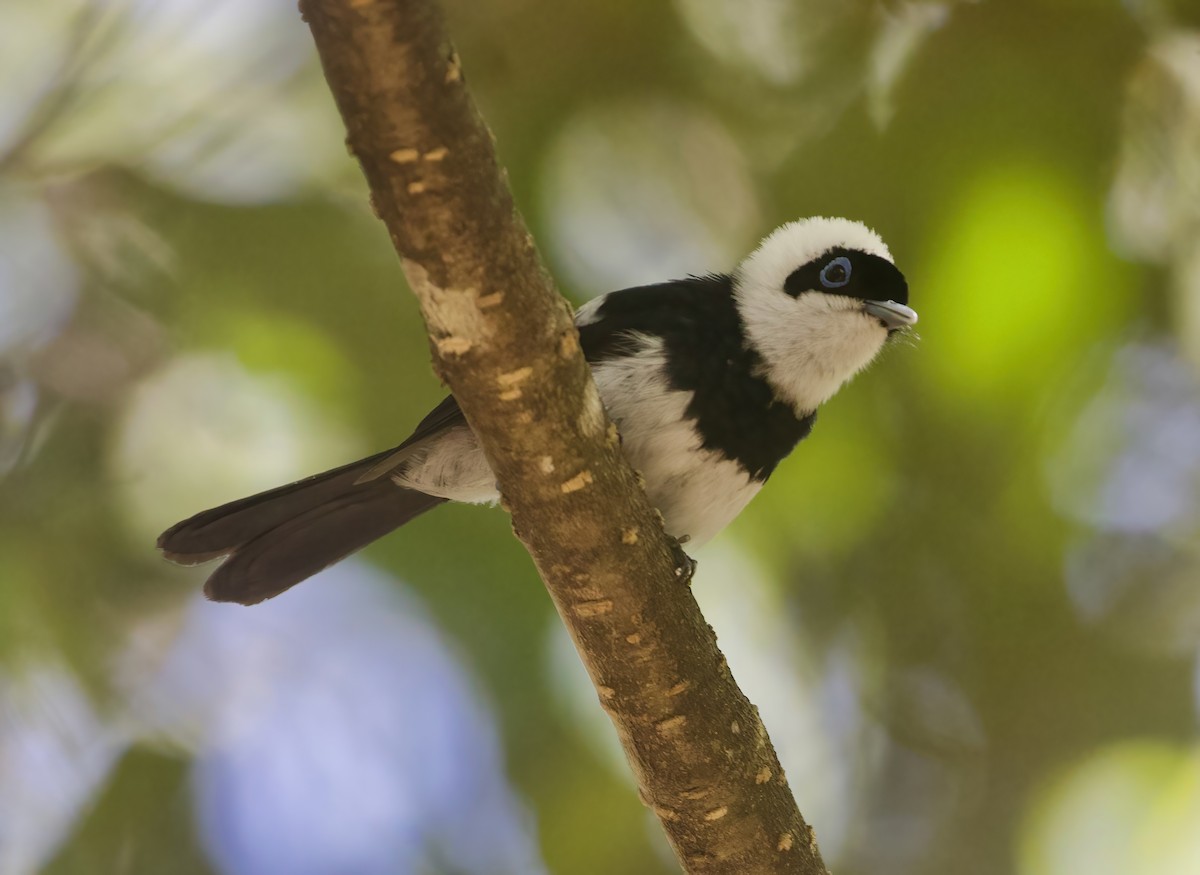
698	491
813	344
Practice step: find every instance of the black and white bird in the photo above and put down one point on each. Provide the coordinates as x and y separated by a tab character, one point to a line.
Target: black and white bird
712	381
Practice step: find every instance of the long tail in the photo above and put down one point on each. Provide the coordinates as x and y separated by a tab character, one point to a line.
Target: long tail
276	539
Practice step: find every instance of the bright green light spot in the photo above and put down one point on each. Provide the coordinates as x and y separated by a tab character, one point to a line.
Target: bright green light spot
1020	282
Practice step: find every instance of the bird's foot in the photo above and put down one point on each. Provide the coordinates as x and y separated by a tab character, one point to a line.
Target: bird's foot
685	565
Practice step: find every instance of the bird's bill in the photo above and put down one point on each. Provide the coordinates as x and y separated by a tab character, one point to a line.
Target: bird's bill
891	314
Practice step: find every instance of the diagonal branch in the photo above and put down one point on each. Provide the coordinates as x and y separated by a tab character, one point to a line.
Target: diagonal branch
503	340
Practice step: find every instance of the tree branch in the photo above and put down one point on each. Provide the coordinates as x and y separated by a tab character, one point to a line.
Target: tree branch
504	342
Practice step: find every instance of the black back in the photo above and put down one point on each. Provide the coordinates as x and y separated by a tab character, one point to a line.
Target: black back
734	408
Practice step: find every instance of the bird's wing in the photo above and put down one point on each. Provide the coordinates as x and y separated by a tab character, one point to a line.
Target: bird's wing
609	326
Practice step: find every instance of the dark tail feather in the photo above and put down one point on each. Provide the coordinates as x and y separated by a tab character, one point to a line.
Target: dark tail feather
278	538
215	532
282	557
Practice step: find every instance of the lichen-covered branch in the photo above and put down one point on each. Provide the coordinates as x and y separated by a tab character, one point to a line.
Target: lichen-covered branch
503	340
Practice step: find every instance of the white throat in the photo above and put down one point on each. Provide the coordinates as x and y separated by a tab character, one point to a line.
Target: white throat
812	343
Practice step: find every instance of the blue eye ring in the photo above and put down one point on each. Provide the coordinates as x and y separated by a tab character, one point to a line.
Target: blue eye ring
836	274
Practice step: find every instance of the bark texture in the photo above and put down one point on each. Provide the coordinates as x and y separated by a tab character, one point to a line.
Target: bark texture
504	342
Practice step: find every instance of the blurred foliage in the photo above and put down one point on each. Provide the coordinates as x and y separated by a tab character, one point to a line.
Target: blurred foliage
968	608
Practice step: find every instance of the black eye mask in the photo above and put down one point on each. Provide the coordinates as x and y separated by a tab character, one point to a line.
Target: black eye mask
852	273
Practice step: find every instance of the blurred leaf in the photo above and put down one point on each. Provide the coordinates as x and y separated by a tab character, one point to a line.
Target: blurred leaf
39	284
643	191
1127	461
1155	198
926	711
903	31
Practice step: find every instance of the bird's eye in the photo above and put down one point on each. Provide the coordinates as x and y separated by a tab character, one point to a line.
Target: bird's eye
837	273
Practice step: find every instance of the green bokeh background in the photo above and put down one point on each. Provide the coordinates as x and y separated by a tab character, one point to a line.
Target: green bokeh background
923	514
